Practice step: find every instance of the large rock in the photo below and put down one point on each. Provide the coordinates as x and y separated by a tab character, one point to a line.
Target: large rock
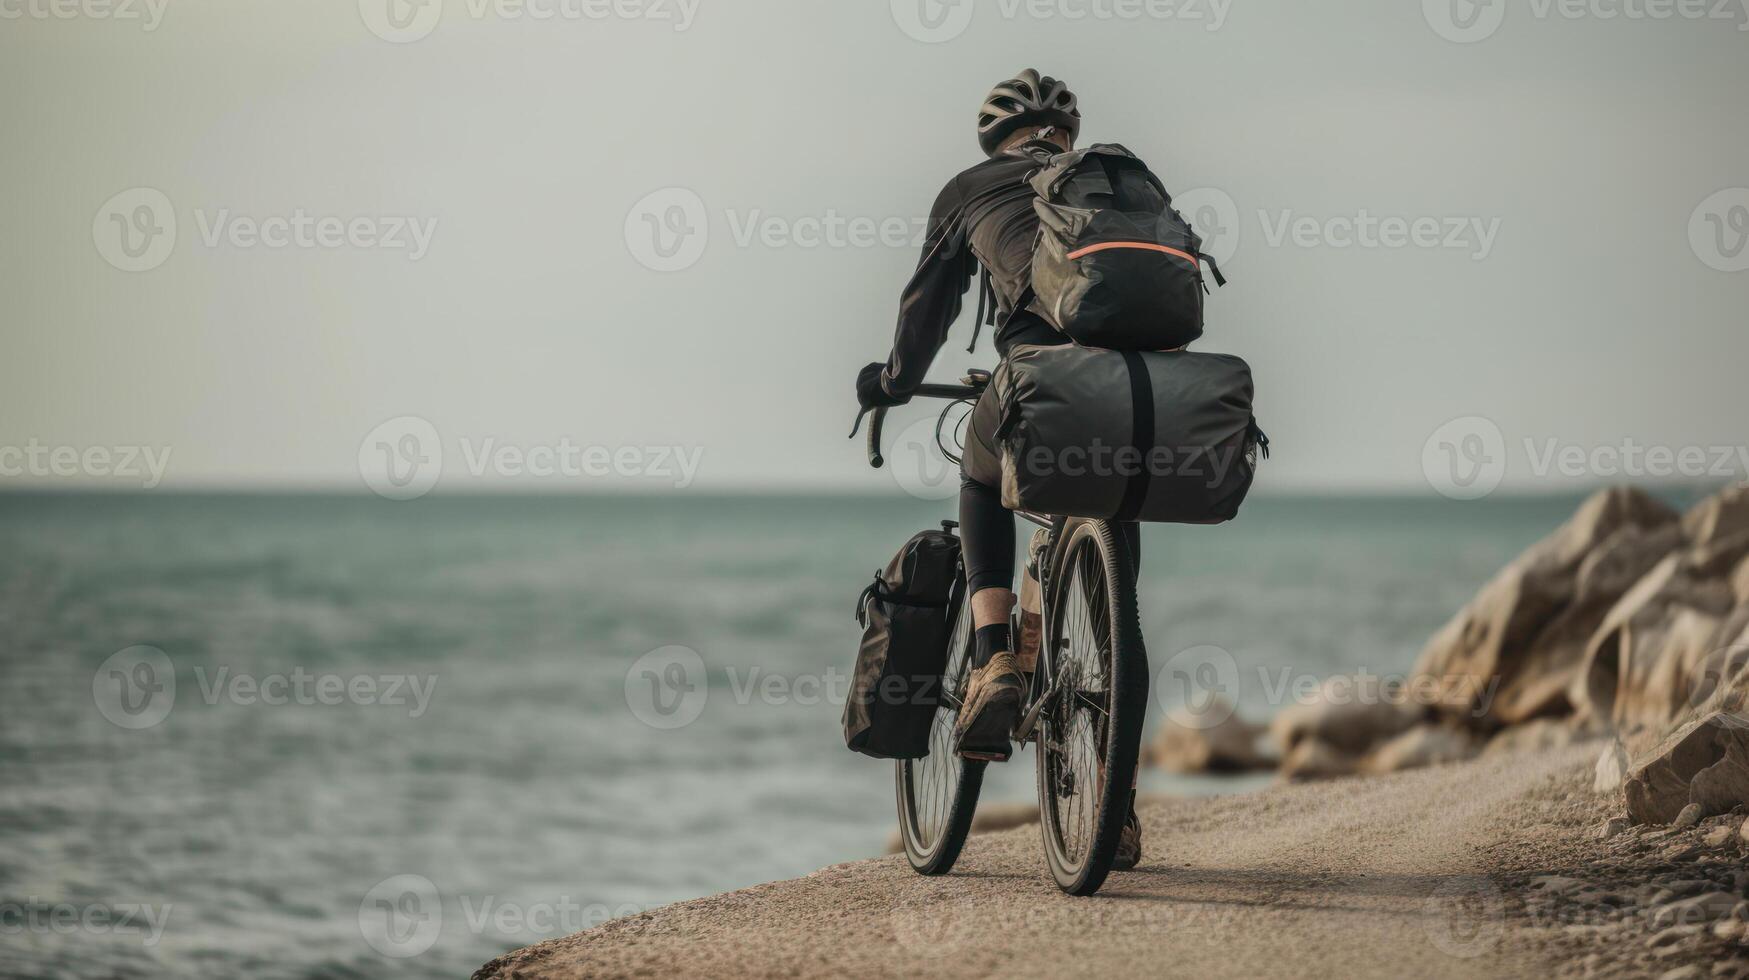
1423	745
1642	665
1723	515
1705	763
1511	654
1314	759
1349	715
1213	740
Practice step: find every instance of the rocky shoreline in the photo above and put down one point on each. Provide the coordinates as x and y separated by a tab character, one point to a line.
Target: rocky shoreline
1629	622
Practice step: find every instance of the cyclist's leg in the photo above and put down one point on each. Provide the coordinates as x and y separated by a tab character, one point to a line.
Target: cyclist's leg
987	537
987	533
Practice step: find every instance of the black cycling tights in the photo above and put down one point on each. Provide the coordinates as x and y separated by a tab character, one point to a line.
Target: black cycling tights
987	537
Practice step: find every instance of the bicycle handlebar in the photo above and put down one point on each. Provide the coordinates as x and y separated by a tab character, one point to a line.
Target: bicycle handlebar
878	418
875	425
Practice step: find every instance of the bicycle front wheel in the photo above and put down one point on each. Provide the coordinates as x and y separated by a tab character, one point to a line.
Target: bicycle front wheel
1090	734
938	794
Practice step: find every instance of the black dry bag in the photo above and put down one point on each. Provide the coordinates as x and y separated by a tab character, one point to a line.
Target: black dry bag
907	617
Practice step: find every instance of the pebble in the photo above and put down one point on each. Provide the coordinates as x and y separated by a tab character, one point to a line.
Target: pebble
1720	836
1689	816
1612	827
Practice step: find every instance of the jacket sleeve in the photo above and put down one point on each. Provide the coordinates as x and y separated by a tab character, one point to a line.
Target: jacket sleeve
931	300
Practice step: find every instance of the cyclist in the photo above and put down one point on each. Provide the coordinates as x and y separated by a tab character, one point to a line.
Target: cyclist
984	217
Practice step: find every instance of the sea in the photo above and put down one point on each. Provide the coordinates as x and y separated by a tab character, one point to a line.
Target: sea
336	736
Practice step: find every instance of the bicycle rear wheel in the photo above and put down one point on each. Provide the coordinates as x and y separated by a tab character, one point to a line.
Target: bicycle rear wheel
1090	734
938	794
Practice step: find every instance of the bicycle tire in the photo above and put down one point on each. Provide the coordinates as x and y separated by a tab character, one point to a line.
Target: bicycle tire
937	795
1095	567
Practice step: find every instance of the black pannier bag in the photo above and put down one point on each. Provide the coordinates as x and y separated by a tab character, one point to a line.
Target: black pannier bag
1115	265
906	620
1163	436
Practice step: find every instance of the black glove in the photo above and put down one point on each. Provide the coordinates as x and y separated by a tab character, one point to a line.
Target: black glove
869	392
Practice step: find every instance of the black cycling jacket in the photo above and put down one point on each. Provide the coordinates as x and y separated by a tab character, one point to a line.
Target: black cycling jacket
984	215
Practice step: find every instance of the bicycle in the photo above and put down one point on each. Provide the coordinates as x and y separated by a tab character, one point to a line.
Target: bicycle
1084	706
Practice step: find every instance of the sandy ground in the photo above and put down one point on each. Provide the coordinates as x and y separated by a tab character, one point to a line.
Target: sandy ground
1492	867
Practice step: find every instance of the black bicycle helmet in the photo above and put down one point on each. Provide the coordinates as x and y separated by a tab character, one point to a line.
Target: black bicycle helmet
1027	99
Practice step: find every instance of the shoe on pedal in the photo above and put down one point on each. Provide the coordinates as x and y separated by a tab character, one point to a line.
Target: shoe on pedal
992	707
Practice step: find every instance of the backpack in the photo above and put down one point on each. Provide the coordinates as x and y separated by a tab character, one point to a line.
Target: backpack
907	619
1114	265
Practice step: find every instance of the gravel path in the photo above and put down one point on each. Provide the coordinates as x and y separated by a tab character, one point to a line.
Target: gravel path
1441	872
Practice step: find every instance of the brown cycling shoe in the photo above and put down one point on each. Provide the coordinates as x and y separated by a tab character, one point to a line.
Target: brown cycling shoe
1129	843
992	707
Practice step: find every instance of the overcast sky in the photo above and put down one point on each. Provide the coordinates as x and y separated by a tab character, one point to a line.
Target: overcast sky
686	225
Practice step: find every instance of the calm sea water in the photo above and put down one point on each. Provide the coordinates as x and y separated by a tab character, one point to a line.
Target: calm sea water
449	766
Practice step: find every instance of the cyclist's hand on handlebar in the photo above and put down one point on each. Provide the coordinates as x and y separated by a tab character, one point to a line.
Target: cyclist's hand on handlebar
869	393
